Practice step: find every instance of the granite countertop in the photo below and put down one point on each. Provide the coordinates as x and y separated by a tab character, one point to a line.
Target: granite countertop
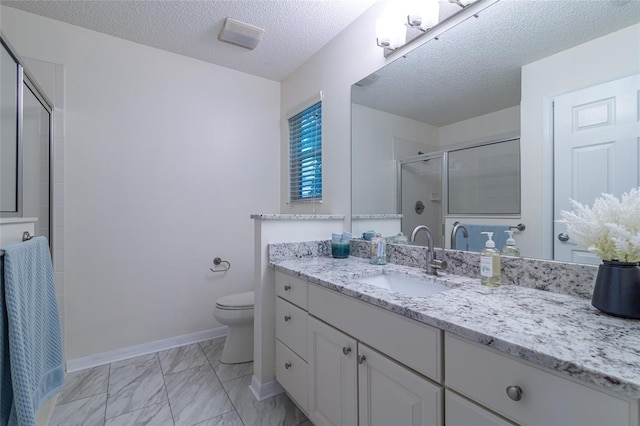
561	332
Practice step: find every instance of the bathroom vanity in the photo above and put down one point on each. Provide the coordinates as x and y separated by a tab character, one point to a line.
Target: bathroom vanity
351	353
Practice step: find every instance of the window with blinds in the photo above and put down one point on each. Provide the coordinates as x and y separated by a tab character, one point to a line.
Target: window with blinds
305	155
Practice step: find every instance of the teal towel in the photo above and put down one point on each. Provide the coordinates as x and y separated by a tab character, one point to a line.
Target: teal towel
31	367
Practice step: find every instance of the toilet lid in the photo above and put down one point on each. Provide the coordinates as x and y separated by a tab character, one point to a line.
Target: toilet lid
236	301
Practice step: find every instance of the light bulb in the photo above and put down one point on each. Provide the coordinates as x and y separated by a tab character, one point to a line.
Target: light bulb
424	14
390	29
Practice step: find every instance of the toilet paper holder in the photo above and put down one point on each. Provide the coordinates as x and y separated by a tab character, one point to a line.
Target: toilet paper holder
217	261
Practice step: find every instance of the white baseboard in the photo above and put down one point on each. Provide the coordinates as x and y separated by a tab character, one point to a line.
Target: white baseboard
143	349
263	391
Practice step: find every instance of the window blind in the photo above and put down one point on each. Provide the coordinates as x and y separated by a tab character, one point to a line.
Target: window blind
305	155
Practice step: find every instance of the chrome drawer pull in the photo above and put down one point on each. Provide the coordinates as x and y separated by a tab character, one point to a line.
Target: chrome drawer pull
287	365
361	359
346	350
287	318
514	392
287	287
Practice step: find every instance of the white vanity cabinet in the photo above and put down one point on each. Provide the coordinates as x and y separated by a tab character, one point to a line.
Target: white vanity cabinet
523	393
291	337
333	391
391	394
351	382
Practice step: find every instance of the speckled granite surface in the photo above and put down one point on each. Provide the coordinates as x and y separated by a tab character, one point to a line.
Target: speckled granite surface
375	216
558	331
277	216
558	277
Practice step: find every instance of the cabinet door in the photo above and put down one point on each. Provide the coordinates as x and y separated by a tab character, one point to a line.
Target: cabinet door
461	412
332	376
390	394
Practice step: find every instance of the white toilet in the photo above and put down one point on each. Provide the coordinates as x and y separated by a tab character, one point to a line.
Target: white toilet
236	311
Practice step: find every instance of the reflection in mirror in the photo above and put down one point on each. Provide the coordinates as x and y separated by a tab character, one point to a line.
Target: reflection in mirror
497	77
36	140
8	134
421	196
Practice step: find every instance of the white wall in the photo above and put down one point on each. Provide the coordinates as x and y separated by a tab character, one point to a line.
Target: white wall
598	61
484	128
158	182
379	139
348	58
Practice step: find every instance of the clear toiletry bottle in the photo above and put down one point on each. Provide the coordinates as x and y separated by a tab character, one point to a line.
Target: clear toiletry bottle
378	250
490	262
510	248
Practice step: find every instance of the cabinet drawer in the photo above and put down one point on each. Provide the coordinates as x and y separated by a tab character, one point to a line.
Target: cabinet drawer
291	372
413	344
484	375
291	327
462	412
293	289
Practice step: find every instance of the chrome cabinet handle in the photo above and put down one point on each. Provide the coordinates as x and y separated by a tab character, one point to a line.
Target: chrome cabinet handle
514	392
287	287
346	350
361	359
287	318
563	237
287	365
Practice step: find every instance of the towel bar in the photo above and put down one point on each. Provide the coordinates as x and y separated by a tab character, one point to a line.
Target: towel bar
25	237
520	227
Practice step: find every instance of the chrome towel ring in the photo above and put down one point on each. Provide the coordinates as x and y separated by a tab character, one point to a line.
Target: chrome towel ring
217	261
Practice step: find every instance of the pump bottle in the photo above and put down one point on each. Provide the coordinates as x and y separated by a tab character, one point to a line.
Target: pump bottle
490	262
510	248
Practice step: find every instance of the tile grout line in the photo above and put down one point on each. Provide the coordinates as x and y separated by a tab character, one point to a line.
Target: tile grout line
164	384
235	409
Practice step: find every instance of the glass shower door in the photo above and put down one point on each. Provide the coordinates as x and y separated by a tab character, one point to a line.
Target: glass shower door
36	143
421	196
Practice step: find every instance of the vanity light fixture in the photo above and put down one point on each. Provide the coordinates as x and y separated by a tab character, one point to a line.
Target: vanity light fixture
391	27
391	32
423	14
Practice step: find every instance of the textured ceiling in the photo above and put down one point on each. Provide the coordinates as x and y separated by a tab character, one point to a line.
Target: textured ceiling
294	29
474	69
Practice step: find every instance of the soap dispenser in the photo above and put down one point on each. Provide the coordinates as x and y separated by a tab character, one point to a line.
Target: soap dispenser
510	248
378	250
490	262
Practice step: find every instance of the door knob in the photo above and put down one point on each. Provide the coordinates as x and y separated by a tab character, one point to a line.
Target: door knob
563	237
287	287
361	359
346	350
287	365
287	318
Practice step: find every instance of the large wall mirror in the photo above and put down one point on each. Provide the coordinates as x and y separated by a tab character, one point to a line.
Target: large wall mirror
560	76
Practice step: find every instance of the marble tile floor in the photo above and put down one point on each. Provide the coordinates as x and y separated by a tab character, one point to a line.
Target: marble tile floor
185	386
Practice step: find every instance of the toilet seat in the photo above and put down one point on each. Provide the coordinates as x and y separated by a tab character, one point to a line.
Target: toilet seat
236	301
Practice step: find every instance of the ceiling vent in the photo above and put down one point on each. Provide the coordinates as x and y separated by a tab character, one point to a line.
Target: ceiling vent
240	34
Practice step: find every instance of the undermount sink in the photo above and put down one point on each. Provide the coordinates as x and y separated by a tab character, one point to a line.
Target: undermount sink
405	284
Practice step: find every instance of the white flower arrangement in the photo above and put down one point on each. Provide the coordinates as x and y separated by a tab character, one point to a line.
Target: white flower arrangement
610	229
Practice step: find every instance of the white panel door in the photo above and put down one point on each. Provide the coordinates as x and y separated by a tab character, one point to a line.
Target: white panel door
596	138
390	394
332	376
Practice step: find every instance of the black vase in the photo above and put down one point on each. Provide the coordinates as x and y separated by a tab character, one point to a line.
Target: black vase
617	290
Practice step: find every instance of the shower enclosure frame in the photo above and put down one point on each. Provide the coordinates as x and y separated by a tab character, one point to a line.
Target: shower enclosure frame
25	78
440	155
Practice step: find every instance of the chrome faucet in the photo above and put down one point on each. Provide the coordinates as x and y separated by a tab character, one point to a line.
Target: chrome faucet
433	264
456	227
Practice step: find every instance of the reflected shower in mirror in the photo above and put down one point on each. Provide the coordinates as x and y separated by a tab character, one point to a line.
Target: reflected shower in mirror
497	76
